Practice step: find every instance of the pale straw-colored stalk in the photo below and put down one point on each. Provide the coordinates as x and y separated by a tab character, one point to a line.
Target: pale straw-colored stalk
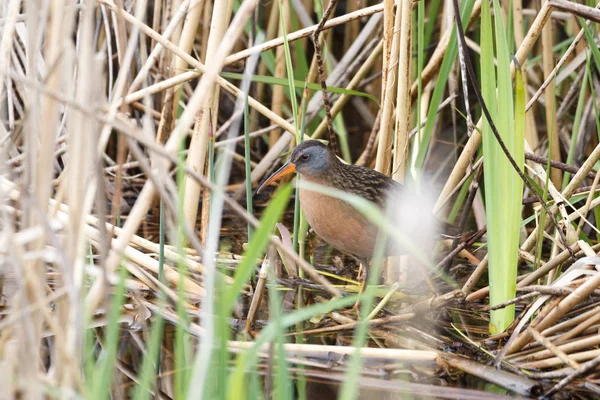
403	101
207	114
279	98
391	43
551	121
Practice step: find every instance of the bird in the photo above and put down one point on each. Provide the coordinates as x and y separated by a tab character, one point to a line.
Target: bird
334	220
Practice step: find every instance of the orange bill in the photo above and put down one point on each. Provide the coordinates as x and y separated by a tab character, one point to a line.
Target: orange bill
286	169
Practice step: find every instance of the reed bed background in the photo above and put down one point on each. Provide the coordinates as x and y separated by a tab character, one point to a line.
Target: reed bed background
137	261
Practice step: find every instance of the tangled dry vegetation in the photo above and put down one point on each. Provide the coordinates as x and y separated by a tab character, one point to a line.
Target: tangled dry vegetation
134	262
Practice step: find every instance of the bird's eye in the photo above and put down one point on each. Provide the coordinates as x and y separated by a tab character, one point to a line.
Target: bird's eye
304	157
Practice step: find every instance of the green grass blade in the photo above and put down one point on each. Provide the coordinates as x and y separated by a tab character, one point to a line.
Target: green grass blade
237	380
283	384
258	244
577	120
342	133
108	358
434	7
145	382
503	187
299	50
151	362
420	145
290	72
247	165
589	36
350	387
182	346
299	85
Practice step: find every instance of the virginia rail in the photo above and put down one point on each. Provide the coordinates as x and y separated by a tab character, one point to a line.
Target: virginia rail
334	220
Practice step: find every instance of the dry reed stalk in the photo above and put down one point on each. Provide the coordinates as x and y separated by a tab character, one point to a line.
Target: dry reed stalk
391	43
403	101
552	348
583	369
581	10
206	115
157	17
205	25
125	59
435	61
80	200
573	321
168	33
8	32
324	352
351	28
136	96
263	274
63	213
567	348
280	67
302	33
24	303
365	157
551	121
233	58
507	380
212	229
403	315
531	134
350	62
540	272
552	76
127	129
41	143
152	283
352	85
544	321
198	98
168	109
121	83
322	78
271	32
120	33
555	361
579	329
15	317
588	203
567	192
400	122
516	300
188	31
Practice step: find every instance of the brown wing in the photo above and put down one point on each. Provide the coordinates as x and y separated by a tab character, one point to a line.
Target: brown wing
365	182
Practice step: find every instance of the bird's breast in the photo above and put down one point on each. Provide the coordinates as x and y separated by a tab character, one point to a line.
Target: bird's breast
338	223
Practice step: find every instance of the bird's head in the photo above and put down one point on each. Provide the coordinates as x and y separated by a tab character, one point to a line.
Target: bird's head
311	159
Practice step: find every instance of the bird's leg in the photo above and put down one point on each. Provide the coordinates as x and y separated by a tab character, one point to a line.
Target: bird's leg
365	277
361	271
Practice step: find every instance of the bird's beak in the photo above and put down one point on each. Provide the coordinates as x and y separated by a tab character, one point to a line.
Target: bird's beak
287	168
